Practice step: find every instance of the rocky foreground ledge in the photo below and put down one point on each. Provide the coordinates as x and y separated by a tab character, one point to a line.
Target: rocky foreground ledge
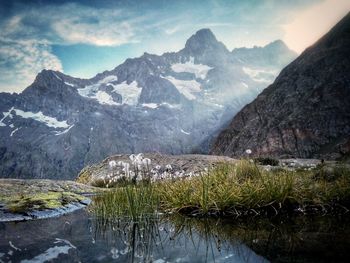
174	165
38	198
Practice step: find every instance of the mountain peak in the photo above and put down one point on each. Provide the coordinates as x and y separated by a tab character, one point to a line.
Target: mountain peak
203	40
276	44
279	46
204	34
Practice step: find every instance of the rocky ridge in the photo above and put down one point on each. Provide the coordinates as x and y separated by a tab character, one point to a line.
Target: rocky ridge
305	113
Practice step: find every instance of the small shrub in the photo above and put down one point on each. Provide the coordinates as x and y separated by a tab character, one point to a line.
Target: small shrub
266	161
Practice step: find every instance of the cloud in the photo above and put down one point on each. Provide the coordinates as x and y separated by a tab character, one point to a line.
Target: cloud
73	32
26	38
73	24
172	30
309	25
24	59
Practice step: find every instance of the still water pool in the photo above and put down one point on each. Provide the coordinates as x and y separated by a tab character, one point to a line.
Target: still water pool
78	237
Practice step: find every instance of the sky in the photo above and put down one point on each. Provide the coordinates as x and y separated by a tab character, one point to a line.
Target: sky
84	37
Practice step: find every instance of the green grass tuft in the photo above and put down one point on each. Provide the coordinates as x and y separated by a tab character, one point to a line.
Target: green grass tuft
230	189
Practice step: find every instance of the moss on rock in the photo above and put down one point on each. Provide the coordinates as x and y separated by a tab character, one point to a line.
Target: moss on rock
22	203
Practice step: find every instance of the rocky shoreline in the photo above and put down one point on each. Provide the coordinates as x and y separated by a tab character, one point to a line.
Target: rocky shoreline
28	199
22	200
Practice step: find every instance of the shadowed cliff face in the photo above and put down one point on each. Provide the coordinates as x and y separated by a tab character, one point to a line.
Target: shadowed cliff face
172	103
305	112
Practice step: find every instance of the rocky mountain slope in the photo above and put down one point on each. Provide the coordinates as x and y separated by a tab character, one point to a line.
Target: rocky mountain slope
173	103
305	112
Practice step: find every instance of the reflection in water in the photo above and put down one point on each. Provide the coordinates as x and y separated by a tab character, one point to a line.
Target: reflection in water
174	239
80	238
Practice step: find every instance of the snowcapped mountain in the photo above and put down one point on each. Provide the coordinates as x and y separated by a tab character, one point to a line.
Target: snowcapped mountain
173	103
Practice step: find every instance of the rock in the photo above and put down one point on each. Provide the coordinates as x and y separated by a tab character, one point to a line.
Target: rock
35	199
173	165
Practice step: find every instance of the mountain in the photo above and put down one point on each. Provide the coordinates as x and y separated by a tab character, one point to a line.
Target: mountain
276	53
174	103
305	112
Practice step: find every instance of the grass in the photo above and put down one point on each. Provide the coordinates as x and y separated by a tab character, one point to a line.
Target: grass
241	189
134	201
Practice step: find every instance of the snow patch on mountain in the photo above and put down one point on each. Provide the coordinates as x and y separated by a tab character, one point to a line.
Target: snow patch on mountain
186	87
184	132
88	91
14	131
6	114
64	131
130	92
150	105
40	117
69	84
199	70
104	98
260	75
93	92
108	79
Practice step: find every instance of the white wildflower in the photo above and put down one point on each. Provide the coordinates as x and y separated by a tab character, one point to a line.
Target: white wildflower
112	164
138	159
168	167
125	165
132	157
146	162
248	151
158	167
139	178
130	175
126	168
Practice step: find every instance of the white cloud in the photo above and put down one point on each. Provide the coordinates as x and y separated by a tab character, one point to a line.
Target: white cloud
26	38
100	27
309	25
172	30
21	61
72	24
73	32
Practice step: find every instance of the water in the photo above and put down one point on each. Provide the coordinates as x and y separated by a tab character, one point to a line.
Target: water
77	237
